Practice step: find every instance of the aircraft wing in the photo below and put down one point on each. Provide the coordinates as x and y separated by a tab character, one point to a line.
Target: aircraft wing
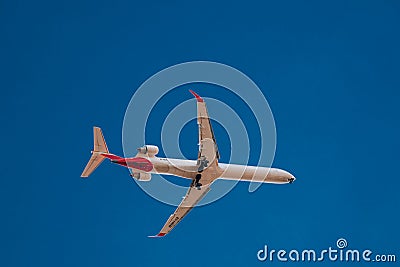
208	146
192	197
207	164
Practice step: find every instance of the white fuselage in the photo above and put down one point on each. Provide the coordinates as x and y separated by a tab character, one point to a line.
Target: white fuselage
188	169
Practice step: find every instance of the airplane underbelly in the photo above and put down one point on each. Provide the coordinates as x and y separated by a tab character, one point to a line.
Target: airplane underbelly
182	168
255	174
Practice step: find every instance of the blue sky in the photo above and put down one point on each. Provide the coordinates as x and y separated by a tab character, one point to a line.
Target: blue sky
329	70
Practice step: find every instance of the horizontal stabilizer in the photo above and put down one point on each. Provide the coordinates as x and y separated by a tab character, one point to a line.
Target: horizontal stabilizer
99	142
99	148
95	160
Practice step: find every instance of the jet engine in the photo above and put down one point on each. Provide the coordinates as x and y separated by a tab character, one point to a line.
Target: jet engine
150	150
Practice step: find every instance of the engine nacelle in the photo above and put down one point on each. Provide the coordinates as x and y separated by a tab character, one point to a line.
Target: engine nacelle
141	176
150	150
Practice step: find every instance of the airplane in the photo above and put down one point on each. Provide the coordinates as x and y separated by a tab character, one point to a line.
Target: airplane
203	171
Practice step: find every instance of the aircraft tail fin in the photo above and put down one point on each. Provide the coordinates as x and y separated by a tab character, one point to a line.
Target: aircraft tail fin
99	148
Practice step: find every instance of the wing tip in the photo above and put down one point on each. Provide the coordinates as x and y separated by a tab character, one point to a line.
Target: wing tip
199	99
158	235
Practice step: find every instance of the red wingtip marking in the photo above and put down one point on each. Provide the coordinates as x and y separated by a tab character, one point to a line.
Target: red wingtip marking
199	99
159	235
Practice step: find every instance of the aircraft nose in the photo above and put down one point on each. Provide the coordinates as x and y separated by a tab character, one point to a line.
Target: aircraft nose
290	177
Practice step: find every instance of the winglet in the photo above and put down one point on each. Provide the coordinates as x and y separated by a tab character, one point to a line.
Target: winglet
158	235
199	99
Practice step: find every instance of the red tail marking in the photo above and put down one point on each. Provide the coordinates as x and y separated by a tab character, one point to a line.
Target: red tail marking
135	163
